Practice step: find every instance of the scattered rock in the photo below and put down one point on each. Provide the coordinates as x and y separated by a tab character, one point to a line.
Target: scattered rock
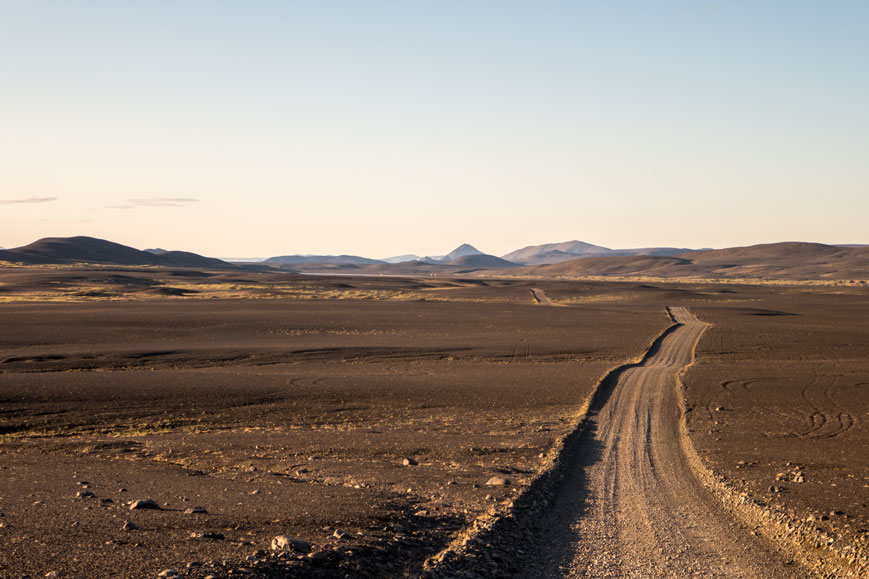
194	564
145	504
106	501
54	574
85	494
339	534
207	536
196	511
288	543
168	573
497	481
255	492
409	462
130	526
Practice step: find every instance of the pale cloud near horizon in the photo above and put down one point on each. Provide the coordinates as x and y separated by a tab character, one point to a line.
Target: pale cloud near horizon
156	202
28	200
162	201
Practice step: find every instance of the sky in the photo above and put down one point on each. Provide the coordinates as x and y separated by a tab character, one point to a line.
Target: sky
376	128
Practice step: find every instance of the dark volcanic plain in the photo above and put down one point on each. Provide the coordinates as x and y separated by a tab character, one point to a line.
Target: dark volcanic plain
366	414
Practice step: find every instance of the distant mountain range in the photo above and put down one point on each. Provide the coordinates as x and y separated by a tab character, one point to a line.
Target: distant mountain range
306	259
531	255
567	250
401	258
464	250
775	261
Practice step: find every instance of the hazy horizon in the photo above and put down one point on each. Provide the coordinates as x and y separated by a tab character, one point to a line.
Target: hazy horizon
381	129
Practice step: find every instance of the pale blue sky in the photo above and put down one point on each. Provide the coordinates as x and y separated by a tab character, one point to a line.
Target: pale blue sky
378	128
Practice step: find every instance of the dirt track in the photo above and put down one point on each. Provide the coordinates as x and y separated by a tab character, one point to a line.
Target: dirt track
631	506
540	297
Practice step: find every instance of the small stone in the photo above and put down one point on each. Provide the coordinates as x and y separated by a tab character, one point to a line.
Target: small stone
144	504
497	481
720	408
168	573
339	534
255	492
194	564
196	511
130	526
122	490
207	536
288	543
409	462
85	494
106	501
54	574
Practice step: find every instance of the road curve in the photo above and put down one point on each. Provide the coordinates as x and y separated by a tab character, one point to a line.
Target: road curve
540	297
630	506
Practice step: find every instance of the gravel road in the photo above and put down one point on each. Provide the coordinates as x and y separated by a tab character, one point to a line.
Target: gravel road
631	506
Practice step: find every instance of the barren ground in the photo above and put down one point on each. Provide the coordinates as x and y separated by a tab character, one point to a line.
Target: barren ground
290	408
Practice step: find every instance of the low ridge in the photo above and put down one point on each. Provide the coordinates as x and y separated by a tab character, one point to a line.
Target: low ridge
82	249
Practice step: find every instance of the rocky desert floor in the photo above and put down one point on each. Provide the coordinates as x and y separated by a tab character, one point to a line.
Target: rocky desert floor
378	423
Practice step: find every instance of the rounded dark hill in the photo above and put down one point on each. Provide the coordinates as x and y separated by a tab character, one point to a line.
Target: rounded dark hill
796	250
189	259
82	249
